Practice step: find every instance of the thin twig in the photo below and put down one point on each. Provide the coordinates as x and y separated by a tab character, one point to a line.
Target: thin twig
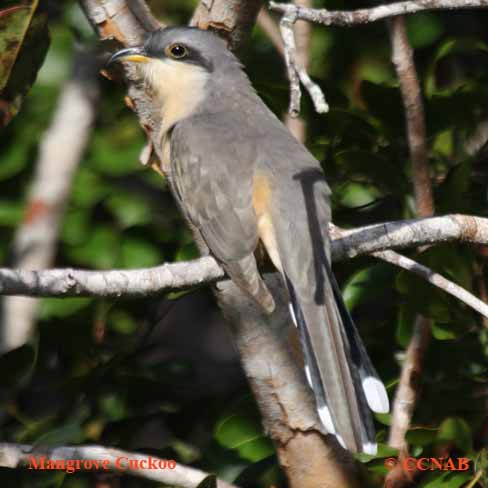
427	274
367	15
435	279
296	72
18	455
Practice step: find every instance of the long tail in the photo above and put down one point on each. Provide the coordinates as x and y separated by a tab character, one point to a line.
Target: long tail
345	383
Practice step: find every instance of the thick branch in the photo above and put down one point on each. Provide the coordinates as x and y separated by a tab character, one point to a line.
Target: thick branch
18	455
140	282
367	15
113	283
233	19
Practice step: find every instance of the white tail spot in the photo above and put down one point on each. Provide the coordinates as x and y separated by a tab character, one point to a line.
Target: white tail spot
326	419
370	448
376	396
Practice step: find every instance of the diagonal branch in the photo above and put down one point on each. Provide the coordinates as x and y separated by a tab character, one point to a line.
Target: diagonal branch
435	279
427	274
18	455
348	18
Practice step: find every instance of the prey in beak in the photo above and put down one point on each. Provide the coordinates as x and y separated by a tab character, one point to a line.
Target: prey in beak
133	54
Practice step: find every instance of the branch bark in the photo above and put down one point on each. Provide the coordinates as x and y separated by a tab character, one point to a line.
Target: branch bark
347	18
402	56
233	19
173	276
60	152
19	455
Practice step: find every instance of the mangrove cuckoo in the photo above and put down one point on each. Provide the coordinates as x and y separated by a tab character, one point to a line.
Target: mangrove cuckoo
243	178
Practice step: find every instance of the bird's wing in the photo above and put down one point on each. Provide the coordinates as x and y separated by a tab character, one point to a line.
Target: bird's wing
212	171
212	167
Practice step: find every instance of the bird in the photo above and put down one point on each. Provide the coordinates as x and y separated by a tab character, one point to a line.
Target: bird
243	180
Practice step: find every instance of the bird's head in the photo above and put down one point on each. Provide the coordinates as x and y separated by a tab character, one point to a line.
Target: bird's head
182	65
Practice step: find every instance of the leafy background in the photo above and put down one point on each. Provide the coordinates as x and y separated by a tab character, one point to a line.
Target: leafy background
160	374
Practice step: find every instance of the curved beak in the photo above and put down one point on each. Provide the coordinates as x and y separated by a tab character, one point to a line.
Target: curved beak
133	54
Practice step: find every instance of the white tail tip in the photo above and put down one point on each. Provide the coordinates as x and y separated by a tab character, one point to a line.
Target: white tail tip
376	396
370	448
326	419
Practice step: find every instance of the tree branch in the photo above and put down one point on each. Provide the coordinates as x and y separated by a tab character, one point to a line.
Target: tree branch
60	151
402	57
232	19
368	15
18	455
435	279
292	12
296	72
142	282
427	274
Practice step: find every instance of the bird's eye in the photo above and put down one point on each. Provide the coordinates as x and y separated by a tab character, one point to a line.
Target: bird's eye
177	51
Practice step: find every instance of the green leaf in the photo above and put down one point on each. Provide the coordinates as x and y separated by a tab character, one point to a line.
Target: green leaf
11	213
129	209
354	195
406	320
445	480
88	188
448	48
76	227
367	285
443	332
99	251
242	430
24	41
424	29
58	308
122	322
456	430
421	436
138	253
70	433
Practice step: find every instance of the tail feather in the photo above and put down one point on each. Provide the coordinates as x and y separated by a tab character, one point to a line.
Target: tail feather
372	385
337	368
